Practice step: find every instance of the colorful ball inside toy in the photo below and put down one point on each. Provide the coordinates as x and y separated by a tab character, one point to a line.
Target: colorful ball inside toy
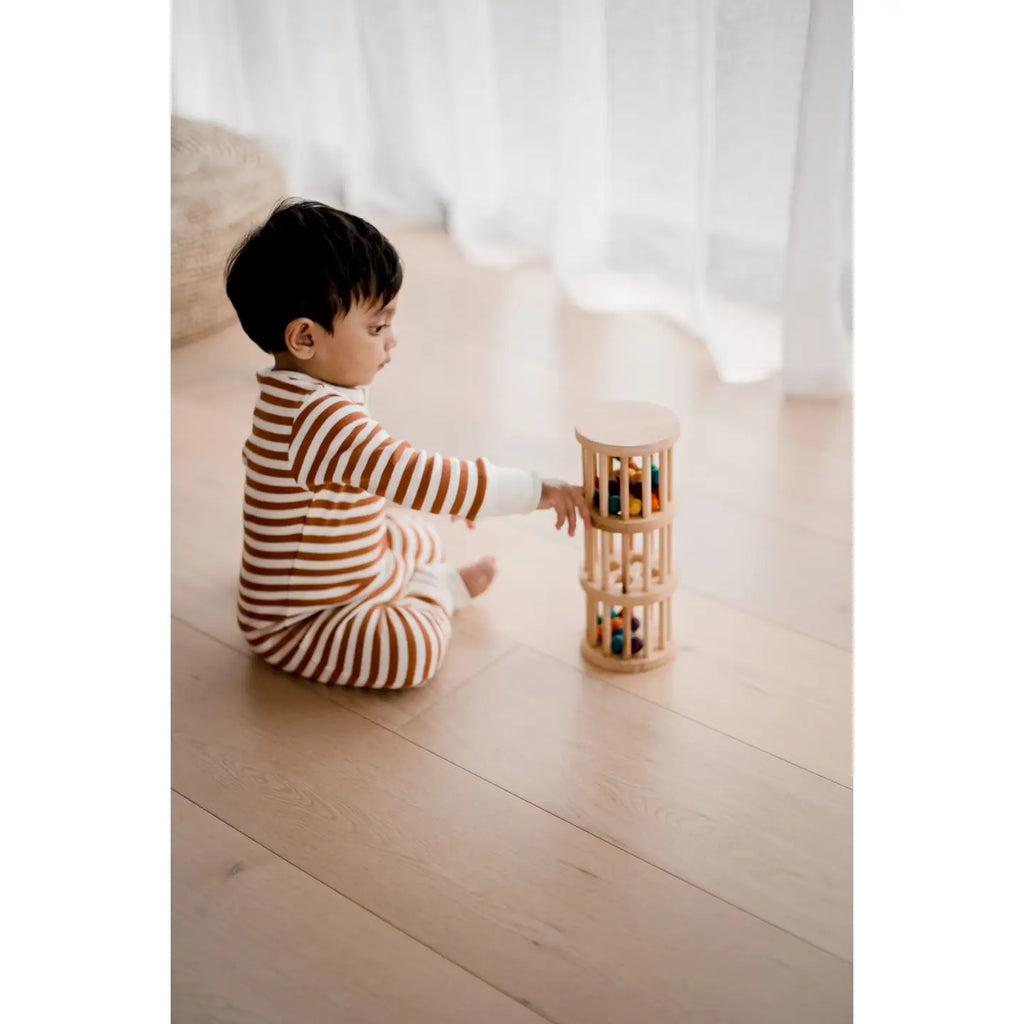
613	485
614	505
654	476
655	503
616	617
636	506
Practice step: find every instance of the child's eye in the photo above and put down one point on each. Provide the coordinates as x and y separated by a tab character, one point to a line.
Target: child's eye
377	328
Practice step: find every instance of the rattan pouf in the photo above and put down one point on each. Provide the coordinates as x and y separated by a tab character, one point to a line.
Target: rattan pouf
222	184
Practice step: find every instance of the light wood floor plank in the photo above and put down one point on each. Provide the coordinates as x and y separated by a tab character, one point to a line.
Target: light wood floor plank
756	831
566	923
257	941
778	690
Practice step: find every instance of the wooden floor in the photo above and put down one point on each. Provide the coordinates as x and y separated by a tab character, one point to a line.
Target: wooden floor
526	839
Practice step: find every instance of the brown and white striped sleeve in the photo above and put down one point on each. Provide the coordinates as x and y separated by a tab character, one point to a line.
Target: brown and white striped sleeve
335	440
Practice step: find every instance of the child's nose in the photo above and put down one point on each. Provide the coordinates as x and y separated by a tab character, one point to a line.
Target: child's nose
390	341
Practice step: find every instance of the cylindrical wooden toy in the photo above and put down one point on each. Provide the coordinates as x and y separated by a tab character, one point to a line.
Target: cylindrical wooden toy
627	561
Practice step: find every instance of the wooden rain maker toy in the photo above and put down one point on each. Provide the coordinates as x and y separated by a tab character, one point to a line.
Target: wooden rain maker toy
627	567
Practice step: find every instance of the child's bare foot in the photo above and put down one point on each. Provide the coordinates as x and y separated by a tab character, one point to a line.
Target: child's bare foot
479	576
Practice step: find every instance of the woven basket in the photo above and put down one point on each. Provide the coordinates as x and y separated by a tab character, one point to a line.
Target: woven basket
222	185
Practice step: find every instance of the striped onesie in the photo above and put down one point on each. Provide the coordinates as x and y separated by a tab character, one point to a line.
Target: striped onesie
334	585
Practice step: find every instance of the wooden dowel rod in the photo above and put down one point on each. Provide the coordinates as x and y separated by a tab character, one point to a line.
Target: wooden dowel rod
604	539
647	561
662	566
626	551
623	487
589	537
603	474
606	628
602	484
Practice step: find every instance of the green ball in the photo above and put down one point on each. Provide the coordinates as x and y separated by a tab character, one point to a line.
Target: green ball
614	505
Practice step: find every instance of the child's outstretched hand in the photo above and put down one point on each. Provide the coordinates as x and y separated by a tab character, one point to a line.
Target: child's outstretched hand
567	500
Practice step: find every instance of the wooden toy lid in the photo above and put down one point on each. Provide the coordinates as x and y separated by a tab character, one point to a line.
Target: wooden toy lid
628	426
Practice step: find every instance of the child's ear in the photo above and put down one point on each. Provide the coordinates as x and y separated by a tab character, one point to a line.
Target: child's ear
299	338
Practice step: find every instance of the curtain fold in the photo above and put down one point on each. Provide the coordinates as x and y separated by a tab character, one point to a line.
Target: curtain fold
686	157
818	302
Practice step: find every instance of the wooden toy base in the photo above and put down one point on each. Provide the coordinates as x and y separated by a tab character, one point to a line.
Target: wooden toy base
617	663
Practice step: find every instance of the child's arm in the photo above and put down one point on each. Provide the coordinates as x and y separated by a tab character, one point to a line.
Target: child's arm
336	441
566	499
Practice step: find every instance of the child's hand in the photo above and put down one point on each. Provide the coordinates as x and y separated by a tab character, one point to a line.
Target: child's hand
468	522
567	500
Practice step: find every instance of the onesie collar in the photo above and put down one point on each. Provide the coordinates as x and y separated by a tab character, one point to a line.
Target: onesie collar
356	394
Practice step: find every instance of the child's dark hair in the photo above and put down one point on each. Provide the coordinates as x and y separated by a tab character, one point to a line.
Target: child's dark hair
309	260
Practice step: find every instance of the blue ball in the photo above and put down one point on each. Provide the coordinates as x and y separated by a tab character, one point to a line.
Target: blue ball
614	505
617	643
654	475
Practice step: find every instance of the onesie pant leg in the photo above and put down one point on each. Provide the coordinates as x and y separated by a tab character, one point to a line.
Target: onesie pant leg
386	644
418	543
382	644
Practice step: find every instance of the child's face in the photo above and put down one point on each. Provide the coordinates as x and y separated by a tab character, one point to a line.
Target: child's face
359	347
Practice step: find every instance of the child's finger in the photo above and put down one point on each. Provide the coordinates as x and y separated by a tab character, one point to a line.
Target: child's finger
572	519
581	504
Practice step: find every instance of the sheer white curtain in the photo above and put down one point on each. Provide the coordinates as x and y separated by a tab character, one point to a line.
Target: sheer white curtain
689	157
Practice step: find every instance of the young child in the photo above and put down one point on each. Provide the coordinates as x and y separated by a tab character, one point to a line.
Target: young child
334	586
